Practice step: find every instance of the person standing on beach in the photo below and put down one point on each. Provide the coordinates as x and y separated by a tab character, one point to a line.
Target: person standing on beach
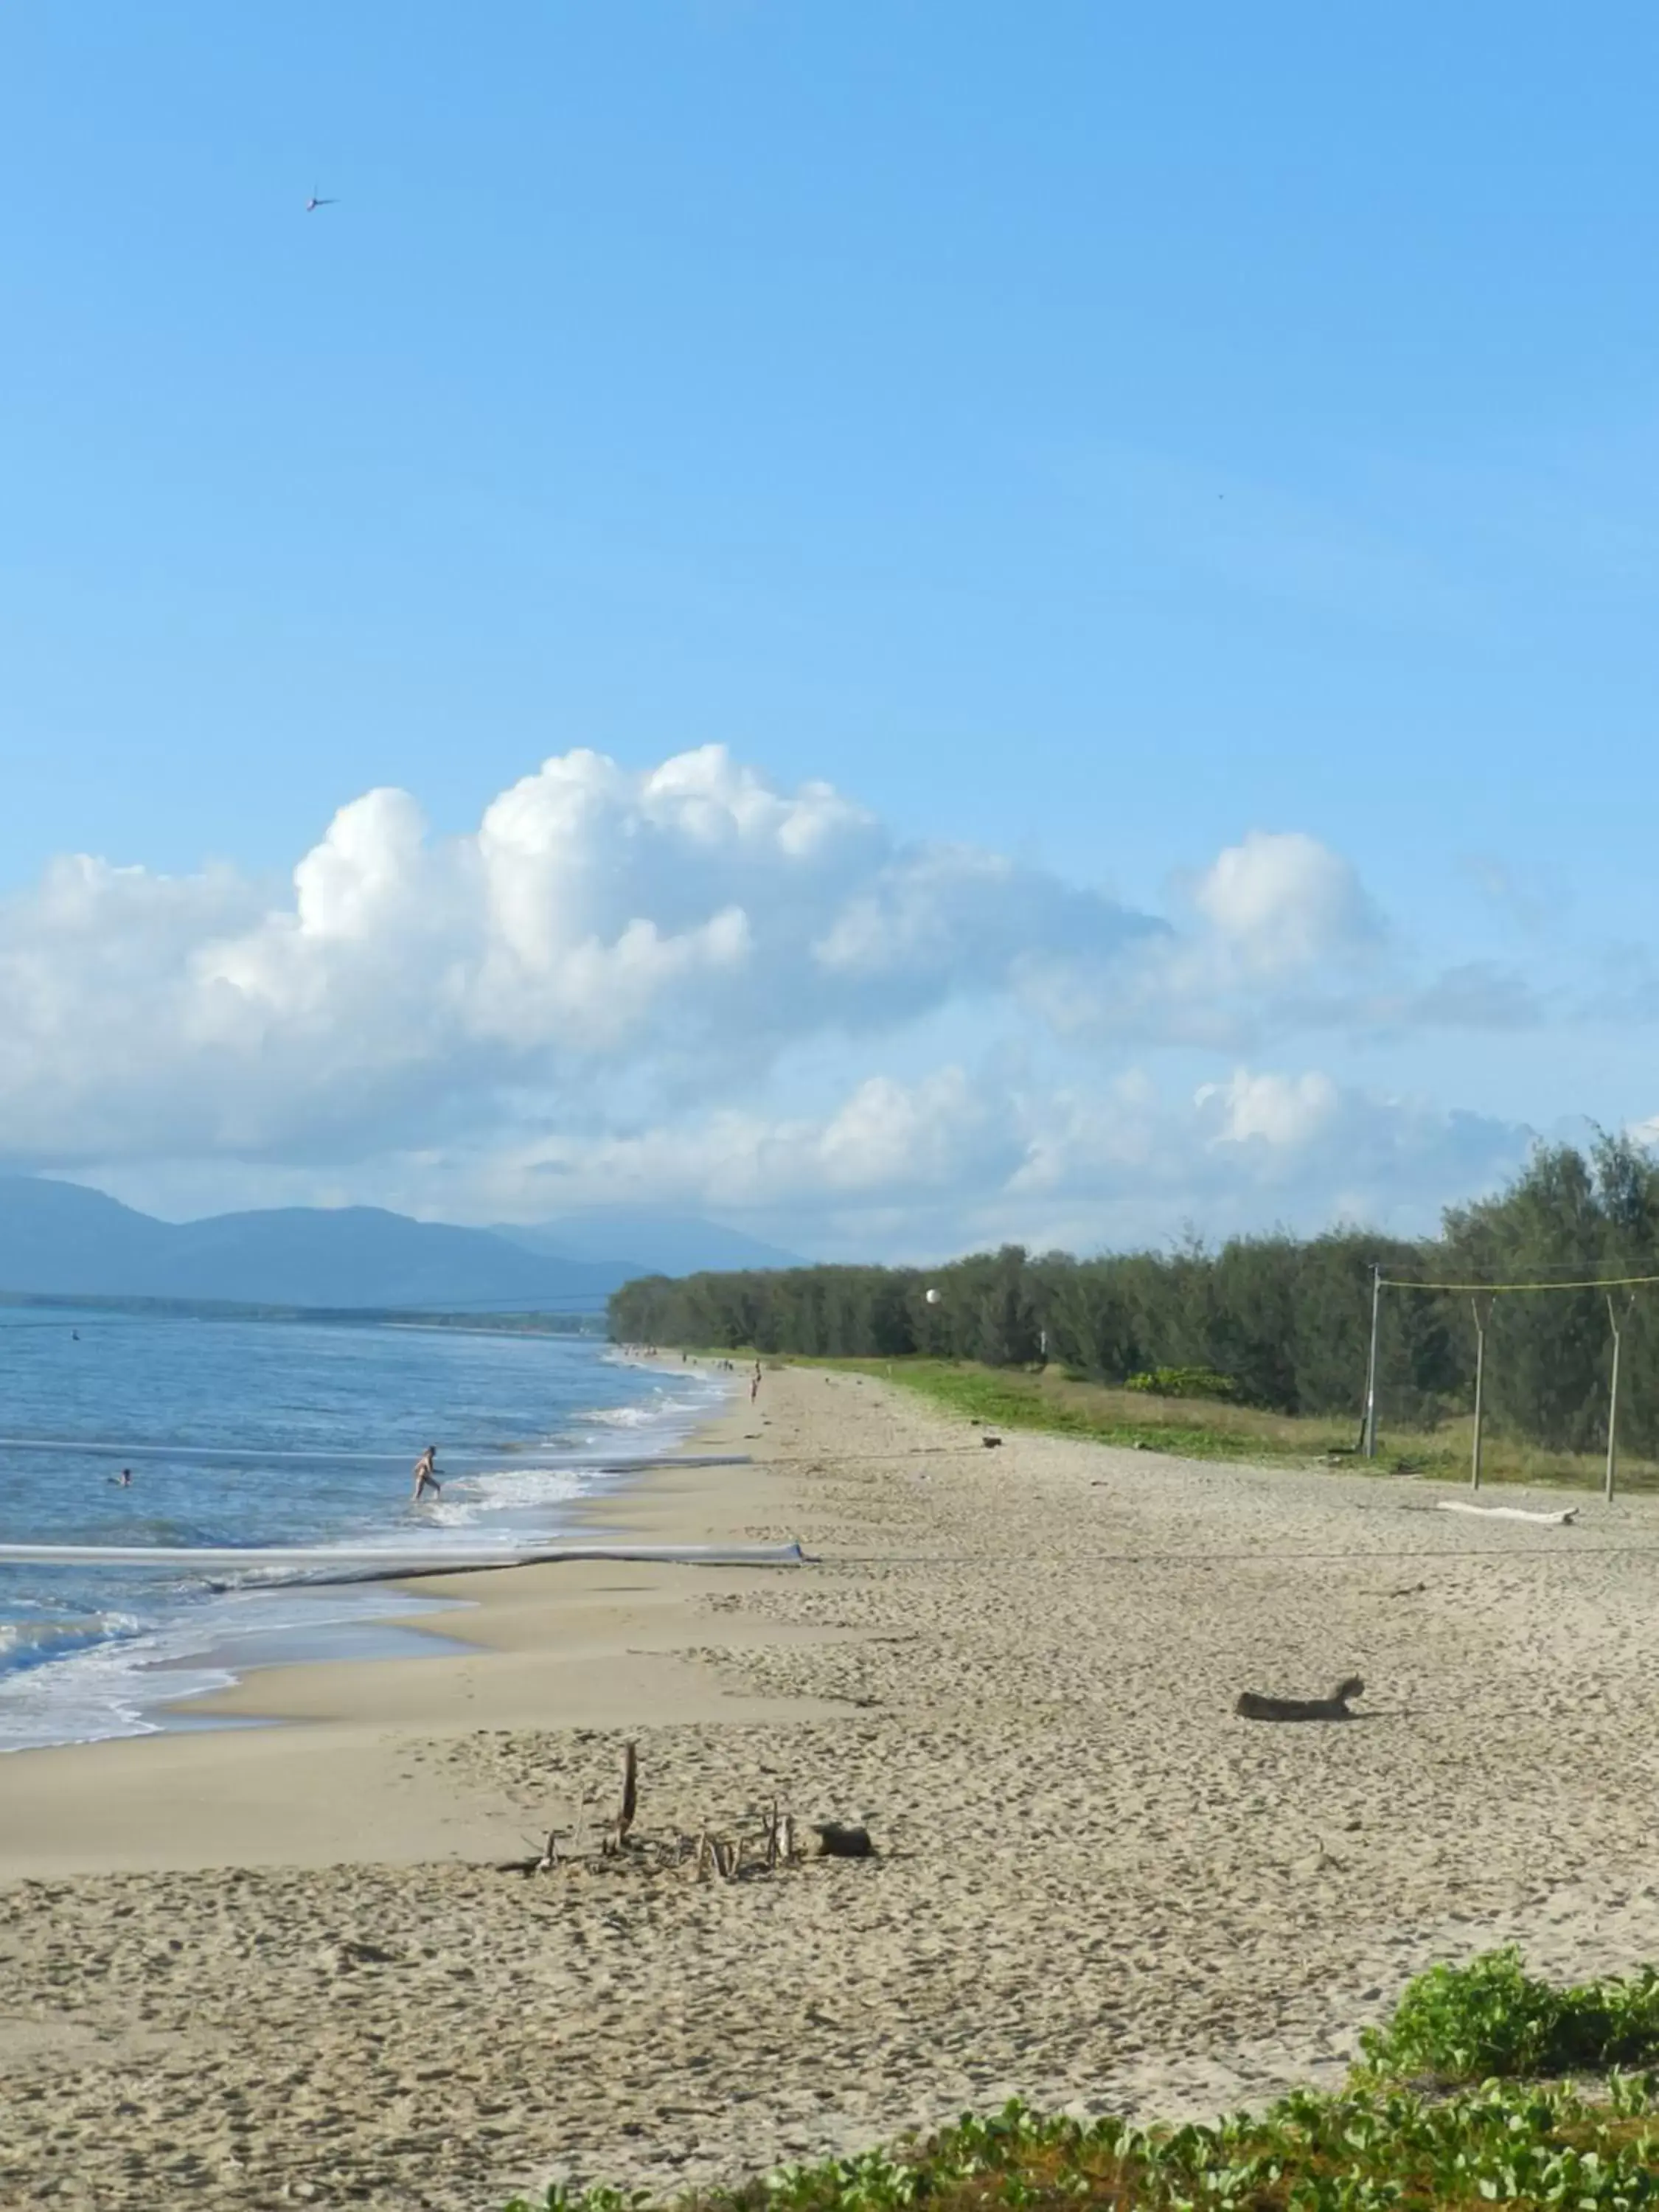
425	1474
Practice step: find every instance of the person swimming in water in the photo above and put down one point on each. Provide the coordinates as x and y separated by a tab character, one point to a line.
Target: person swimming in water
124	1480
426	1475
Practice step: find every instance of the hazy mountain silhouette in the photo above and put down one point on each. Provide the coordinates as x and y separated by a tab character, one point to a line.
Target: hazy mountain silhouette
63	1239
646	1241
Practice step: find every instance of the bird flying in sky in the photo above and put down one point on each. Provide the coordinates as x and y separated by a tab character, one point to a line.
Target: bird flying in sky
313	203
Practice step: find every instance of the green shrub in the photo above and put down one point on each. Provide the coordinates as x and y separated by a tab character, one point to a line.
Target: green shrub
1491	2018
1185	1382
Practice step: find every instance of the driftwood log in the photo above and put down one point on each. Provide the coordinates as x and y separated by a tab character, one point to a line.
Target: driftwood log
1255	1706
837	1841
1564	1519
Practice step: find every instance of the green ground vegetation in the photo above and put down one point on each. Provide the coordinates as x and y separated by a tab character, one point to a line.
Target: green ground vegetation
1048	1399
1486	2087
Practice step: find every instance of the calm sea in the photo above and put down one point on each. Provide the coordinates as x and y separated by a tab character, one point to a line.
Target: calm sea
270	1433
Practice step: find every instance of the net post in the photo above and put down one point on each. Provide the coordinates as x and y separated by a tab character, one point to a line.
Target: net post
1479	1383
1613	1407
1371	1364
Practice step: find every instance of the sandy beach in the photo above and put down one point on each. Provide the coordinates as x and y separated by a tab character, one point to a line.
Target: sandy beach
263	1965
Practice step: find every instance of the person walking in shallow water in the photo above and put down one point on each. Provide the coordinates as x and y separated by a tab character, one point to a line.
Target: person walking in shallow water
425	1474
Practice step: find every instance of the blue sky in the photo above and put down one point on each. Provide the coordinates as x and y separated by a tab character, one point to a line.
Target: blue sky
1091	437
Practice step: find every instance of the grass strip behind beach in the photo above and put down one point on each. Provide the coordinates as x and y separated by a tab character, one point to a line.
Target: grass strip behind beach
1049	1399
1402	2134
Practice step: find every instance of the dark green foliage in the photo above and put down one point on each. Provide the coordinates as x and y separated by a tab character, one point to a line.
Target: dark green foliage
1283	1323
1566	1218
1286	1319
1469	2023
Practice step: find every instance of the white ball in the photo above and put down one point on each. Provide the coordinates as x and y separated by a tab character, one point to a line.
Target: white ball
932	1297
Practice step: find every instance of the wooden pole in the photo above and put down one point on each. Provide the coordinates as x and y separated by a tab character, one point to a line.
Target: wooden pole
1613	1407
1370	1366
1480	1385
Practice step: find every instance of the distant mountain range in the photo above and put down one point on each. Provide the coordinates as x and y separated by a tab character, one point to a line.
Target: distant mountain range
62	1239
647	1243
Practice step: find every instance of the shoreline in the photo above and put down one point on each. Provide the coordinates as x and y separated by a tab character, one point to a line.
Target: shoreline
249	1773
305	1619
1096	1887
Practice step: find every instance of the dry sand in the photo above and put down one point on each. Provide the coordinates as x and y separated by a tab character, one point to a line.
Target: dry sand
1096	1886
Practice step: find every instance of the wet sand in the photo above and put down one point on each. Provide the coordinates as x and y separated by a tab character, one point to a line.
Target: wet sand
271	1965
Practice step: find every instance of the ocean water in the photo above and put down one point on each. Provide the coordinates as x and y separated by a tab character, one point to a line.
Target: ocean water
279	1433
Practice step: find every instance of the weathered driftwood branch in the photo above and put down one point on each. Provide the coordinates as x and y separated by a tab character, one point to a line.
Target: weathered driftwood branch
630	1798
616	1839
1564	1519
1255	1706
778	1842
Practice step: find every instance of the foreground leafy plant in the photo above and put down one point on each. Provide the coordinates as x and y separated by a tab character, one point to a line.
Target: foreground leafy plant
1504	2143
1376	2145
1469	2023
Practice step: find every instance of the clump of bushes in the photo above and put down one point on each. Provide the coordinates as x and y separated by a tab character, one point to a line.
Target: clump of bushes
1186	1383
1491	2018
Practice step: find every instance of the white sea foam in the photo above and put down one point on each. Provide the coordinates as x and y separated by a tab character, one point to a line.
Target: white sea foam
41	1641
131	1679
111	1688
468	1499
114	1672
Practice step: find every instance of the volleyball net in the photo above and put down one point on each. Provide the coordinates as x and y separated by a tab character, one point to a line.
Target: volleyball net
1620	1291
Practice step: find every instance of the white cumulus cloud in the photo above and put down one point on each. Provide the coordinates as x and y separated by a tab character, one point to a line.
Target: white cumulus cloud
683	924
1269	1109
588	998
1283	904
